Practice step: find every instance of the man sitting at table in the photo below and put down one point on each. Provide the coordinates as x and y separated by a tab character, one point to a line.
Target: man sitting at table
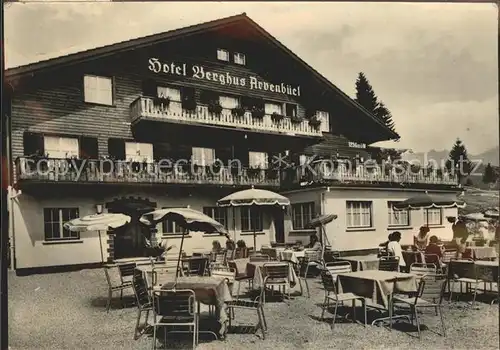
434	249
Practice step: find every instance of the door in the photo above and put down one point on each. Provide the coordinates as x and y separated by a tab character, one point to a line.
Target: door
279	225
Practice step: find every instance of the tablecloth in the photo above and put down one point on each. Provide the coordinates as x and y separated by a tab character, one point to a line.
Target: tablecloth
411	257
254	269
486	270
481	252
376	285
291	255
363	262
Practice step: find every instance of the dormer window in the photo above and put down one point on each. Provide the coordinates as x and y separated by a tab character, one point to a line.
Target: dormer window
239	58
223	55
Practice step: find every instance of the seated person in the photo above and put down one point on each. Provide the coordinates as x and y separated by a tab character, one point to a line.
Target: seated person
395	249
461	248
314	243
434	249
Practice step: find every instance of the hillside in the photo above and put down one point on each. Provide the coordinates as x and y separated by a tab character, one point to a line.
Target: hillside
478	200
491	156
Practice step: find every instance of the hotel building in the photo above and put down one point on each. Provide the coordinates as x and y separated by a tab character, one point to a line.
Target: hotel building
184	118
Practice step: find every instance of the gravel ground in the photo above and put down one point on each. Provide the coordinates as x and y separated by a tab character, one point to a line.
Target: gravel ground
67	311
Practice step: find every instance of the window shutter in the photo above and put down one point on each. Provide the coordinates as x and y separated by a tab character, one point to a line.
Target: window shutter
116	148
149	88
88	147
33	144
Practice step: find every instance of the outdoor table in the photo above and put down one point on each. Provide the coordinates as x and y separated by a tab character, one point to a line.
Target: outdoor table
479	253
377	286
363	262
254	268
208	290
411	257
291	255
487	271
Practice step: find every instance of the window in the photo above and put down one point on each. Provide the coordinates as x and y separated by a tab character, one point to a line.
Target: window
251	219
302	214
291	110
98	89
168	227
325	120
61	147
54	219
258	160
217	213
138	152
397	217
433	216
239	58
171	93
203	156
271	108
228	102
359	214
222	55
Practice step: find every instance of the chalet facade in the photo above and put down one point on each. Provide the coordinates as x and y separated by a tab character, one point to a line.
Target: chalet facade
184	118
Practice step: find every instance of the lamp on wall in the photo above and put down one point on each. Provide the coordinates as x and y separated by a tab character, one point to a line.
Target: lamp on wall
98	208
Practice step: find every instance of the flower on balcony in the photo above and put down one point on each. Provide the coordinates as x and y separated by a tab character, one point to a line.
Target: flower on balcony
214	107
296	119
257	112
315	122
276	117
238	112
161	101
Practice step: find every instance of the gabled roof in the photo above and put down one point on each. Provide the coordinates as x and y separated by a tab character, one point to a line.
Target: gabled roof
149	40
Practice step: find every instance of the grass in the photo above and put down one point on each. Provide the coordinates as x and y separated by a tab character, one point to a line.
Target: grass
67	311
478	200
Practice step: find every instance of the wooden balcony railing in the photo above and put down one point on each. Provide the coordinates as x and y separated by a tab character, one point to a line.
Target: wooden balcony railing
107	171
363	175
144	108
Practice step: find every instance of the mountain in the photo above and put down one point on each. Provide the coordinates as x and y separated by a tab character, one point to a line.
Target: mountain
490	156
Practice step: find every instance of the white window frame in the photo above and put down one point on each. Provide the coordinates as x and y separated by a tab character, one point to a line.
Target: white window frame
229	102
325	120
204	161
240	58
64	234
359	214
173	94
262	163
98	89
431	214
63	151
302	214
221	52
246	214
396	216
217	213
271	107
162	227
143	151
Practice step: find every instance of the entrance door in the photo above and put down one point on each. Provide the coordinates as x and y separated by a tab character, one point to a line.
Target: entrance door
279	225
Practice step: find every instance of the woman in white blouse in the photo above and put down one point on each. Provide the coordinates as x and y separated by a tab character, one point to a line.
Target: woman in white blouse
395	248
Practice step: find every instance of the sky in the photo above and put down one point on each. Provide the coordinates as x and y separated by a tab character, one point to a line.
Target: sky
434	65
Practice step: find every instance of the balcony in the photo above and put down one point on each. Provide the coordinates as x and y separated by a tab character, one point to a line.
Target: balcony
143	108
87	171
302	176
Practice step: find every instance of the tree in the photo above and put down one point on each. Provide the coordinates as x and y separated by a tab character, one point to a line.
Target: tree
458	161
489	175
367	98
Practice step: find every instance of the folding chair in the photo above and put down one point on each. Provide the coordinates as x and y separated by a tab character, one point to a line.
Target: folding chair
332	295
260	257
115	288
429	295
276	274
239	277
421	269
338	267
301	272
469	281
389	263
255	305
143	299
436	260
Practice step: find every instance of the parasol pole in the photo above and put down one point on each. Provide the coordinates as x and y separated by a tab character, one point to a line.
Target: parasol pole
179	258
100	246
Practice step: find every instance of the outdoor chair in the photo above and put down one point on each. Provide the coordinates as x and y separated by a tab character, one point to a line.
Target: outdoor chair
448	255
429	294
436	260
239	277
421	269
332	296
112	288
338	267
229	255
255	305
469	282
301	272
196	267
330	256
219	260
126	272
260	257
175	308
143	299
389	263
276	275
224	273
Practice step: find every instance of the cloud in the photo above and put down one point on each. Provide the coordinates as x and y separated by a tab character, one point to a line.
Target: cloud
434	65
